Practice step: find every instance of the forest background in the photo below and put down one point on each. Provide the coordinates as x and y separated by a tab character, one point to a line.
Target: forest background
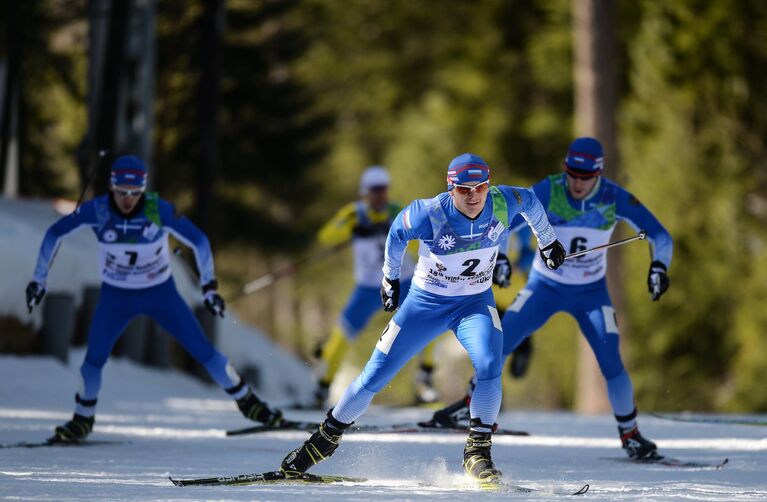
311	92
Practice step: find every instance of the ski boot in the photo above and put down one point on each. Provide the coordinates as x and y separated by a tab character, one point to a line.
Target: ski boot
424	385
450	416
255	409
74	431
321	445
476	456
637	446
321	394
520	358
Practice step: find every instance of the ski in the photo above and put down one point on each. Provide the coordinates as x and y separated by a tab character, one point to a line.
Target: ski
273	477
711	420
404	428
285	425
658	459
49	442
505	487
509	488
278	477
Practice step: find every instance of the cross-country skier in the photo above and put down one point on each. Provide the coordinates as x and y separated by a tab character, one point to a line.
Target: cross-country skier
132	228
366	223
584	208
459	231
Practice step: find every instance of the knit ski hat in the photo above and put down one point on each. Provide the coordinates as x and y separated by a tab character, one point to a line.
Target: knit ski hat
467	168
128	170
584	158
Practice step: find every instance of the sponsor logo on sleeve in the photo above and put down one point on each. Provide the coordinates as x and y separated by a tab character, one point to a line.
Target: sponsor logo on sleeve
496	232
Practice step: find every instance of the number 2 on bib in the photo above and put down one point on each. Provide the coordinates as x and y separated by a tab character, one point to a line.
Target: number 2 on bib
470	266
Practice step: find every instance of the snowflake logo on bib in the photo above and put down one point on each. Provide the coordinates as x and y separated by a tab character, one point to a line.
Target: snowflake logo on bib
446	242
110	236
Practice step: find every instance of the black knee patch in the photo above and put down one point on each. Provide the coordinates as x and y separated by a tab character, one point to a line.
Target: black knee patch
626	418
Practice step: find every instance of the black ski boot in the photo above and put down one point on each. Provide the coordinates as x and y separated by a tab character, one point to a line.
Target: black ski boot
476	456
321	394
74	431
255	409
449	416
321	445
520	358
637	446
424	385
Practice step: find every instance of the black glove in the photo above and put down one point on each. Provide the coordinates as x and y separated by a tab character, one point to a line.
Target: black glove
657	280
213	301
553	255
35	293
390	294
502	271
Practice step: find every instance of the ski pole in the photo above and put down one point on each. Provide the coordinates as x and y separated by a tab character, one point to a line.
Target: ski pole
94	168
640	236
287	270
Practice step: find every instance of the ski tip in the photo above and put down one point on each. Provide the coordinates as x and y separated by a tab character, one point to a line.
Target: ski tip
583	490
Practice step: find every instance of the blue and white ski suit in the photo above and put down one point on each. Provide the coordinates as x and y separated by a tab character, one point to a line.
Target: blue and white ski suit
579	287
450	290
134	261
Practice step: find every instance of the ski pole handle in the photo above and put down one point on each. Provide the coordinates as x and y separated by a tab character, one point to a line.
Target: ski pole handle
640	236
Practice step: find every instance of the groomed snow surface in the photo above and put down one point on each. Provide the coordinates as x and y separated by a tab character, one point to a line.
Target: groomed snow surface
173	425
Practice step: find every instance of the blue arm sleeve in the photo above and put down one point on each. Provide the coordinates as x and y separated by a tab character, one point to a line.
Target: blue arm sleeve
524	202
187	232
410	224
630	209
85	215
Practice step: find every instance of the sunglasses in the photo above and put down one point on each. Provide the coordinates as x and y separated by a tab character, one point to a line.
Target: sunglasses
128	193
581	176
480	188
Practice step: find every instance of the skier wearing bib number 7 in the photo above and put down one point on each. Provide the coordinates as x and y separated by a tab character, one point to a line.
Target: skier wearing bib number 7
132	229
584	208
459	233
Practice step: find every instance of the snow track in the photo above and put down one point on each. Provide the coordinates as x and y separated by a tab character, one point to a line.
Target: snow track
175	426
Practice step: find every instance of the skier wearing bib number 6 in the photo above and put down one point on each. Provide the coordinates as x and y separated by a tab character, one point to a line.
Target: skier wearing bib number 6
132	229
459	233
584	208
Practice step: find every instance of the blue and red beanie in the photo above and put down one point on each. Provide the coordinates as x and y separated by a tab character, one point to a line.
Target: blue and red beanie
467	168
585	158
128	170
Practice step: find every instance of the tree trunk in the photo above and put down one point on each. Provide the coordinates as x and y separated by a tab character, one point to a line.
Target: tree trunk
211	31
112	78
595	104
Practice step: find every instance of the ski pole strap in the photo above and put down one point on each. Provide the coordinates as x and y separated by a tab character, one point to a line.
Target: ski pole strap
640	236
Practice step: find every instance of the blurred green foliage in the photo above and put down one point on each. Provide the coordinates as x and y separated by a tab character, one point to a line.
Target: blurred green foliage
314	91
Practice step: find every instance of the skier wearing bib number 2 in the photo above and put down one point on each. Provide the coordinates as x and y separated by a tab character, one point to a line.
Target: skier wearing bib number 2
459	233
132	229
584	208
